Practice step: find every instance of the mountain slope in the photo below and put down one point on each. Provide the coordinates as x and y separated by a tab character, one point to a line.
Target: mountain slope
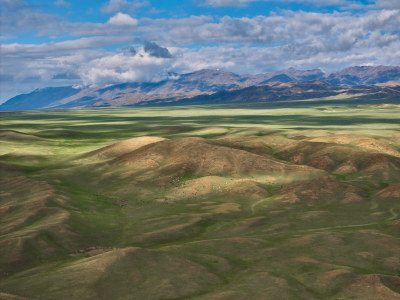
205	82
39	98
364	75
276	91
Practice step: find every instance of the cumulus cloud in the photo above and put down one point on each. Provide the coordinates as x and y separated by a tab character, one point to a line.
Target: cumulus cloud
288	28
74	62
121	19
115	68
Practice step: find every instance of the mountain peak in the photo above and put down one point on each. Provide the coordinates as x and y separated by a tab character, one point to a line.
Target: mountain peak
205	82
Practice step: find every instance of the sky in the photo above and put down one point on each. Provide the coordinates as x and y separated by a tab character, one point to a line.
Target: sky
99	42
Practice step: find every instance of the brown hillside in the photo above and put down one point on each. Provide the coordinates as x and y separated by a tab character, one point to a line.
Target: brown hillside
31	222
345	158
124	147
367	143
390	193
195	155
320	190
147	274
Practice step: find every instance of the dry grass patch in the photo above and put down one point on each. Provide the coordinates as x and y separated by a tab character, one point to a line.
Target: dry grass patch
32	223
320	190
390	193
195	155
223	208
124	147
372	287
361	141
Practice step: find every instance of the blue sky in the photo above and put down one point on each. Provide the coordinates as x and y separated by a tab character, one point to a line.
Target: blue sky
90	42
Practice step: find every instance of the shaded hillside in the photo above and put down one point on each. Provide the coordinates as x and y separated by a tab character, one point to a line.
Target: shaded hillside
364	75
276	91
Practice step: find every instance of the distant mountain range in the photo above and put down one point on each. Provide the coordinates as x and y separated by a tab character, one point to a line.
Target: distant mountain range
216	86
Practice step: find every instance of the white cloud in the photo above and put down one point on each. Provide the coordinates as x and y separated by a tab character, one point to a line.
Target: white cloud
115	68
121	19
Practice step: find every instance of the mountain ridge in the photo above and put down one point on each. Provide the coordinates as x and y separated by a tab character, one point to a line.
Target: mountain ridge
283	91
201	83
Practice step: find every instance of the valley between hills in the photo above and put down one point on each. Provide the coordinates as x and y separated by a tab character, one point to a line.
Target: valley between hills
253	201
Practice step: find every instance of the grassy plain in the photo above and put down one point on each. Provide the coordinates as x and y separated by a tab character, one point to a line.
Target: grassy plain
258	201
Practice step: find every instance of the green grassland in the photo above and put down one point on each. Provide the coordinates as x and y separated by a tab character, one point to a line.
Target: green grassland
257	201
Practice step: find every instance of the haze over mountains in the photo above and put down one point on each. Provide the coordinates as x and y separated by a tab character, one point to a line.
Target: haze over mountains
216	86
